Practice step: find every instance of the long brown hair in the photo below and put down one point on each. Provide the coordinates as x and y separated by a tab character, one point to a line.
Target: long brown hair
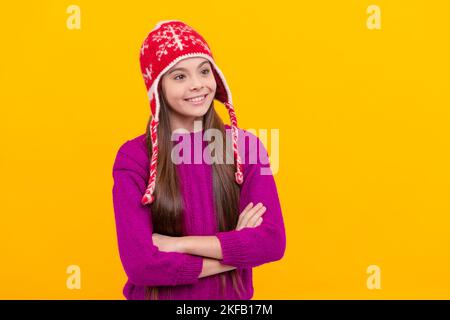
167	208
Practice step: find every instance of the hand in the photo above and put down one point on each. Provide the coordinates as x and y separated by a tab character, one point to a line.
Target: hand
167	243
251	216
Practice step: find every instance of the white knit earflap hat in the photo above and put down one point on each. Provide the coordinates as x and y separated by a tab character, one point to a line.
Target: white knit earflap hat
169	42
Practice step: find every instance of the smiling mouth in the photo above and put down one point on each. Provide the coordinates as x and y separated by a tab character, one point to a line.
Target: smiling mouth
197	100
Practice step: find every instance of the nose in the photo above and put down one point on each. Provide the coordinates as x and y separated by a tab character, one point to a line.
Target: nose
196	83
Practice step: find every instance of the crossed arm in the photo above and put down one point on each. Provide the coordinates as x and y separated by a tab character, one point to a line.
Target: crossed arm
209	247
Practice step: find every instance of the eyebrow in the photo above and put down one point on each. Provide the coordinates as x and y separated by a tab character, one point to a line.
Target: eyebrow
185	68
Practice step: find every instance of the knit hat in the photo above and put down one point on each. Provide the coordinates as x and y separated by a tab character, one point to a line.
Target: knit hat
169	42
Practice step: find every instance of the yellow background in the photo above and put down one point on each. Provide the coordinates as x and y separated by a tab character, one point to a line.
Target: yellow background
364	139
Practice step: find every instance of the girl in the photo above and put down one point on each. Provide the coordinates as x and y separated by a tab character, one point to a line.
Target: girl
195	229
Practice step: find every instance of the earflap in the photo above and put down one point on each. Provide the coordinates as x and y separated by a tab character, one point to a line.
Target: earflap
221	93
153	105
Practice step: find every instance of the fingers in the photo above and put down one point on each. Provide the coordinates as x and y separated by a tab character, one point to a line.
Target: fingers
245	214
251	215
248	206
256	216
242	215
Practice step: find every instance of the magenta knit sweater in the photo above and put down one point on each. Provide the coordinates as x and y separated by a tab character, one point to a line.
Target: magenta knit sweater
145	265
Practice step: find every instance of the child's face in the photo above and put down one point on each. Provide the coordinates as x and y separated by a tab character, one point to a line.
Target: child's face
196	80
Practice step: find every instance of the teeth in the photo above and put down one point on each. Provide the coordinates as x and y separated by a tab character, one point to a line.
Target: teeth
196	99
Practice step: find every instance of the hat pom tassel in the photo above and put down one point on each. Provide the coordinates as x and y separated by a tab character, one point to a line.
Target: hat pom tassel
147	199
239	177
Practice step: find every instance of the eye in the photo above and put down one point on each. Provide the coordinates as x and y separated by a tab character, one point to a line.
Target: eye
180	75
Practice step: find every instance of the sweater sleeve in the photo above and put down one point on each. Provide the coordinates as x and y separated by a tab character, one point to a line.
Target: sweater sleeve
251	247
143	263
